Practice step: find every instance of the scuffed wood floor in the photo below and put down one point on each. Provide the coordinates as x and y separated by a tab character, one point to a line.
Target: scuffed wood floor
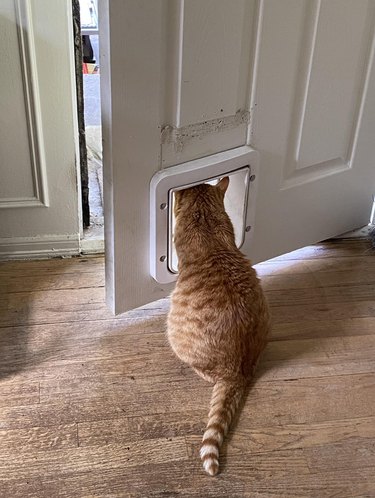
97	406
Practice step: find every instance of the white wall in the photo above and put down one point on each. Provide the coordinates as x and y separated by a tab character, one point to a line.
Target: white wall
38	133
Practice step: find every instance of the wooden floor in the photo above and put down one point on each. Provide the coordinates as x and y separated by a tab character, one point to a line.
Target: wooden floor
97	406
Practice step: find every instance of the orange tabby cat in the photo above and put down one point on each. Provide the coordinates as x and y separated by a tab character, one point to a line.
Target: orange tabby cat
219	321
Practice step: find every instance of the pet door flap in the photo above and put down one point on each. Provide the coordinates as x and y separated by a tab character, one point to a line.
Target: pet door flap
239	164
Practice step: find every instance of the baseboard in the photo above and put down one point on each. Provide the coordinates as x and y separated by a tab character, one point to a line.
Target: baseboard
47	246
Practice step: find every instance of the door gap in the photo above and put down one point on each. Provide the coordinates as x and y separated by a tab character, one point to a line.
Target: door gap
89	110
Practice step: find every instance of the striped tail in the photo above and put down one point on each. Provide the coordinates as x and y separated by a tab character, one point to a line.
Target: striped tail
225	401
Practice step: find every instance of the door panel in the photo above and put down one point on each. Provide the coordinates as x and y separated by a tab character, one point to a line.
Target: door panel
328	87
314	117
39	213
211	76
208	62
185	80
19	99
330	83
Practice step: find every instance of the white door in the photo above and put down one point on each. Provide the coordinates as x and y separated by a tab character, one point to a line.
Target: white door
183	80
39	209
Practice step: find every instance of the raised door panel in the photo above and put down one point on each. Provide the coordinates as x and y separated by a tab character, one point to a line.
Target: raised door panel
208	62
331	72
313	96
23	176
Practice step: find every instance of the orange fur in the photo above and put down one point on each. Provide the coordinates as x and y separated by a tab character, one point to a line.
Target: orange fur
218	321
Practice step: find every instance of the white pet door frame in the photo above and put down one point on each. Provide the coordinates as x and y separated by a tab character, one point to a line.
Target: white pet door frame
243	160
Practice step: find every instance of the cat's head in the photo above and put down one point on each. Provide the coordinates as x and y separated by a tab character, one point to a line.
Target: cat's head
200	216
201	196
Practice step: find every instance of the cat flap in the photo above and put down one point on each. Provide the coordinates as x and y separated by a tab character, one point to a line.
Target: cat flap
240	165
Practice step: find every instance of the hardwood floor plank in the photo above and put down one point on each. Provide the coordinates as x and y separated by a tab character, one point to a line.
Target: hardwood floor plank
318	357
32	352
321	295
168	479
318	280
312	400
108	370
18	393
117	386
74	265
330	249
184	478
175	480
314	329
66	306
346	455
59	413
52	298
162	426
290	370
110	405
93	458
299	267
322	311
60	349
122	329
38	439
361	346
14	284
328	484
246	439
367	428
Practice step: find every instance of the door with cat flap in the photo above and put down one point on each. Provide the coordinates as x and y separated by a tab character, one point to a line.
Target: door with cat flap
188	81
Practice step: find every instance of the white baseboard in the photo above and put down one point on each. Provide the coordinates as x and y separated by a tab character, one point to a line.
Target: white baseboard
46	246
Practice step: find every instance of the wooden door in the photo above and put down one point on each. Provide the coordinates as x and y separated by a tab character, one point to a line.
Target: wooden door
185	80
39	208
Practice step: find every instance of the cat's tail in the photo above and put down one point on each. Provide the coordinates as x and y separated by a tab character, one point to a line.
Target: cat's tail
225	401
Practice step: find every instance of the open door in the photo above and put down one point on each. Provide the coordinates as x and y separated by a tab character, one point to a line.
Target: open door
39	210
189	85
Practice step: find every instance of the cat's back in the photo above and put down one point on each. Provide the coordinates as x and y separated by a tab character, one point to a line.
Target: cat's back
223	280
218	316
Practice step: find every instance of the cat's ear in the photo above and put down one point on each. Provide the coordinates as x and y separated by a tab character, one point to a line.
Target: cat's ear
223	184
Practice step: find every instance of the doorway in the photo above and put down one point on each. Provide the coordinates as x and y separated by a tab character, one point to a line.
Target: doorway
85	14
